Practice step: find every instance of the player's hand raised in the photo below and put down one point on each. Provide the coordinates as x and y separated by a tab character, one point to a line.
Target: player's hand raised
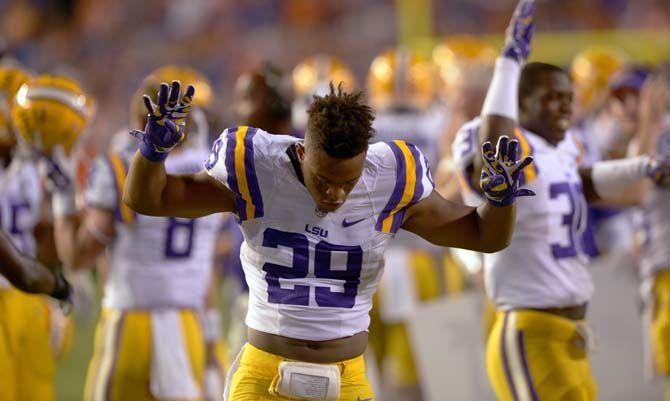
501	172
166	123
519	34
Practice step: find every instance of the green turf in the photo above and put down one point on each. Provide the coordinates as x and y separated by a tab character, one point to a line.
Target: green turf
71	372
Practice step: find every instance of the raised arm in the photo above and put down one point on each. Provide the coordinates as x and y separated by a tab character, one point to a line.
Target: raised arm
149	189
489	227
500	112
623	182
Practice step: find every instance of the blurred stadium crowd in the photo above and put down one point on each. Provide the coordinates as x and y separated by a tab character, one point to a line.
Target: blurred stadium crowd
224	38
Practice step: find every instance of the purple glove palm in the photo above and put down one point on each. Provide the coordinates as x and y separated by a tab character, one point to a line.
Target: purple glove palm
519	33
501	171
56	170
166	122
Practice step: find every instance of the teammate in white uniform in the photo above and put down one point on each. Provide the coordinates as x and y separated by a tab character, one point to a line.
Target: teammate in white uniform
401	87
316	216
32	328
150	341
540	284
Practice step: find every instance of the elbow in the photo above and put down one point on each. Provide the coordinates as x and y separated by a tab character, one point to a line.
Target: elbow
497	245
138	203
131	201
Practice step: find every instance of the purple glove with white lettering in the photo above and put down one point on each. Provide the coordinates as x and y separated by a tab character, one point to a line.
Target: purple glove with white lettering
519	34
166	121
501	172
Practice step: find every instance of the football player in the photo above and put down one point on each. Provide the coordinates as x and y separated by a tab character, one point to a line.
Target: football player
655	227
401	87
316	216
261	100
154	339
34	326
592	70
312	77
538	347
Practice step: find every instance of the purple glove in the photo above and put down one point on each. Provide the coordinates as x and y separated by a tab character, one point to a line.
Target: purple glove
659	170
659	166
166	122
519	34
63	292
56	170
501	171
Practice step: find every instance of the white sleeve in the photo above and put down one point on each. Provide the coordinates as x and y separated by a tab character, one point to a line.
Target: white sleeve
403	180
465	147
232	162
101	190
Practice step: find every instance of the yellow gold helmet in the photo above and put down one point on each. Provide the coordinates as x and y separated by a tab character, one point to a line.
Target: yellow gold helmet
12	76
313	76
203	99
187	76
50	111
461	58
591	71
399	77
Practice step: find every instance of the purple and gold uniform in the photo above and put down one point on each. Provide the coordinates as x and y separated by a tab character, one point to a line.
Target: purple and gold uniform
311	275
159	272
32	340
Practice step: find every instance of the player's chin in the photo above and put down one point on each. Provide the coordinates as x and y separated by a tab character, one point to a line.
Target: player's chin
329	207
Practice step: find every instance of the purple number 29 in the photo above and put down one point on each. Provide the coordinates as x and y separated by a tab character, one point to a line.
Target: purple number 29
299	295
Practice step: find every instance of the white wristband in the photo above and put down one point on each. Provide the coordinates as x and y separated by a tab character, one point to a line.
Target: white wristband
211	325
611	177
63	203
502	98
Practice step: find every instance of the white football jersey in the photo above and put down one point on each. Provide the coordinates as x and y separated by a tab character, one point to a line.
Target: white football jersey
154	261
656	250
20	202
545	265
312	276
465	148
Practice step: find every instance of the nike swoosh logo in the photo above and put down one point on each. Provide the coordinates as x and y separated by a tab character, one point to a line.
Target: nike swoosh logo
346	224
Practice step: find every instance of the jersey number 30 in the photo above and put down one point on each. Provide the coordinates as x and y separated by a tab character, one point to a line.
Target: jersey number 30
300	294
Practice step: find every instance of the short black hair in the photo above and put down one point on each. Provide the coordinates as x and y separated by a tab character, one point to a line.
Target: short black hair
340	123
530	75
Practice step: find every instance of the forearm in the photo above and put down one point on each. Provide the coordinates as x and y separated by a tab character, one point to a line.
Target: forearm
150	191
24	273
621	182
495	226
500	111
145	184
76	246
